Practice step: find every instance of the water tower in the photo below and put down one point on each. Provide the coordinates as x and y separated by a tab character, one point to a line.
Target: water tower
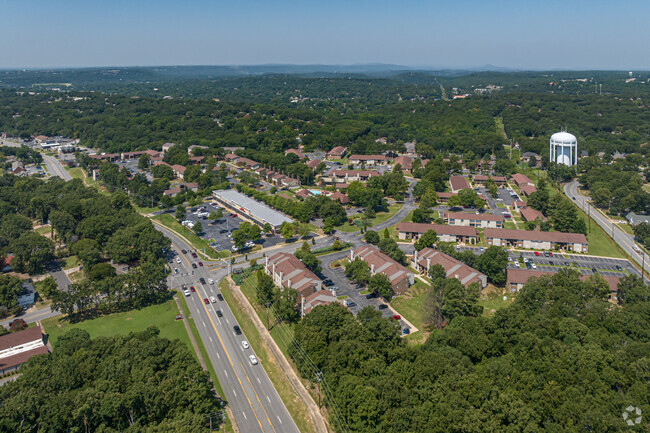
564	148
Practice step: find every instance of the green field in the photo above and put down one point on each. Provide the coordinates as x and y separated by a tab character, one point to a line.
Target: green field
199	244
494	302
410	304
43	230
378	219
509	225
70	262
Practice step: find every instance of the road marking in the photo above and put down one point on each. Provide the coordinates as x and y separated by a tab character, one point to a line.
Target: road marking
218	355
233	391
204	324
267	397
244	413
258	380
210	339
226	373
258	398
279	419
227	321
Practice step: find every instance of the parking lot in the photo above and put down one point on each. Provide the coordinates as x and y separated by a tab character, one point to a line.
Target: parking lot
218	232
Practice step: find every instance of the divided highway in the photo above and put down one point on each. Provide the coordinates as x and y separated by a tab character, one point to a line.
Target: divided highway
256	405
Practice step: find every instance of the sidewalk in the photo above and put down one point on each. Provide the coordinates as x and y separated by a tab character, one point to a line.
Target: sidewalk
291	375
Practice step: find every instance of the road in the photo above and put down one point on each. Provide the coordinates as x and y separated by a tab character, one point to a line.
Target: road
32	316
54	167
256	405
624	240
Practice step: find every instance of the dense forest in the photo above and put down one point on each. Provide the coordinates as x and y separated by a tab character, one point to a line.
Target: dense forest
561	358
99	229
136	383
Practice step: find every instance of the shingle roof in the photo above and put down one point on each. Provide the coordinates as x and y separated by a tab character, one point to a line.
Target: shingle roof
558	237
453	268
441	229
473	216
458	182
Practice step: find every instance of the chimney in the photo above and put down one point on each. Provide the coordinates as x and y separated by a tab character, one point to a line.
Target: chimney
428	263
302	306
289	282
372	269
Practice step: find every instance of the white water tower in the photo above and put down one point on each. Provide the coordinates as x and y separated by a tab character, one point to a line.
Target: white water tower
564	148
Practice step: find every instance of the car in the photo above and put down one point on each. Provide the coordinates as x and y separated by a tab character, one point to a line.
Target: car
219	297
594	270
178	259
482	249
200	263
206	301
213	299
509	258
359	286
528	266
176	270
352	304
406	331
550	254
545	253
396	317
192	289
618	268
186	292
371	295
534	266
184	251
194	254
233	215
223	231
245	344
237	329
573	197
184	287
507	215
193	265
551	263
253	359
566	263
210	281
219	313
525	259
234	248
382	307
536	253
202	280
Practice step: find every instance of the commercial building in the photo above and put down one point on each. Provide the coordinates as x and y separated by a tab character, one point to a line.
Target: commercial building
400	277
456	183
16	349
446	233
478	220
288	271
423	260
250	209
535	240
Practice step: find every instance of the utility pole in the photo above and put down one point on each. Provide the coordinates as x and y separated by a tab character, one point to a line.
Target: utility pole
319	377
268	326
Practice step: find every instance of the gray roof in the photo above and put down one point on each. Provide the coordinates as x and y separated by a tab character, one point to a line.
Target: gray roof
635	219
259	210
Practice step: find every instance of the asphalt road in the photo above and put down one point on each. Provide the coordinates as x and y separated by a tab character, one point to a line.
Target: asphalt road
54	167
254	401
32	316
624	240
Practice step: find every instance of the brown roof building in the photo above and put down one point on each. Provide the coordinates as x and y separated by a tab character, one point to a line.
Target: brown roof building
530	214
481	179
521	180
368	159
296	152
423	260
321	297
400	277
16	349
456	183
446	233
340	197
536	240
406	162
313	163
336	153
516	278
479	220
288	271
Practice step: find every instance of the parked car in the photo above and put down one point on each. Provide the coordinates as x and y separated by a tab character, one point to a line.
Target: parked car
178	259
184	251
207	301
186	292
566	263
528	266
545	253
536	253
176	270
351	304
194	254
406	331
200	263
245	344
594	270
253	359
618	268
202	280
551	263
219	297
534	266
550	254
210	281
371	295
193	265
382	307
223	231
237	329
219	313
396	317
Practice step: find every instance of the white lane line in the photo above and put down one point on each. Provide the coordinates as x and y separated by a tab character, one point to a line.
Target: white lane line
226	373
204	325
228	321
258	380
267	397
233	391
218	355
279	419
244	413
210	339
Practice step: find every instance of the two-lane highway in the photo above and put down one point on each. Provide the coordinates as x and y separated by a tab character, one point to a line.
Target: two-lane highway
256	405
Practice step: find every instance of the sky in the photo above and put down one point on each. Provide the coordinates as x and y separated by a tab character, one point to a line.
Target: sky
523	34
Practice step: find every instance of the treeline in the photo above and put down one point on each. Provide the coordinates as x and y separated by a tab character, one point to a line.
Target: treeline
559	358
139	382
22	153
99	230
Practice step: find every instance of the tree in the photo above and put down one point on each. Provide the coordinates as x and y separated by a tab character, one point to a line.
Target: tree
198	227
632	290
254	232
358	270
88	252
101	271
328	226
284	305
49	287
239	238
286	230
309	260
492	263
419	216
458	300
10	288
372	237
143	161
303	230
432	314
264	287
429	199
426	240
267	228
381	284
436	271
180	212
31	252
213	216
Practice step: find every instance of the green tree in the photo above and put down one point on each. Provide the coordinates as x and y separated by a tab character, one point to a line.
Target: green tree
144	161
372	237
254	232
426	240
492	263
286	230
285	305
239	238
264	288
436	271
10	288
49	287
31	252
180	212
381	284
267	228
198	227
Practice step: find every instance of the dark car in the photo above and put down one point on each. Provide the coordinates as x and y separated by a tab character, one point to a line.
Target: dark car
207	301
594	270
219	297
202	280
406	331
200	263
618	268
184	251
566	263
382	307
551	262
219	313
223	231
194	254
371	295
184	287
329	283
193	265
352	304
237	329
528	265
359	286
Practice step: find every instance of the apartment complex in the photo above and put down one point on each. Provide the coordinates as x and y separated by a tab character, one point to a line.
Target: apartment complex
535	240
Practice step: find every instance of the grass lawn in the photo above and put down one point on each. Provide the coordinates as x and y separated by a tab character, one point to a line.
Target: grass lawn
410	304
43	230
509	225
282	334
499	204
145	210
198	243
626	228
70	262
600	244
494	301
408	218
379	218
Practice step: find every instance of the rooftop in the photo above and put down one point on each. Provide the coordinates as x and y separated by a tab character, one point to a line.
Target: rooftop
256	208
473	216
441	229
559	237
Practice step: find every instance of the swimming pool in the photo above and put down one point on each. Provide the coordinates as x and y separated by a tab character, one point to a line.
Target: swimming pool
316	192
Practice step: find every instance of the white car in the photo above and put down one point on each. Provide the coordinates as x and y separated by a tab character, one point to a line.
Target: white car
186	292
245	344
234	248
253	359
176	270
534	266
178	259
210	281
213	299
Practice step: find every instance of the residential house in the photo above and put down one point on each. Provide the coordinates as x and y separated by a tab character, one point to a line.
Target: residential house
313	164
336	153
423	260
27	295
288	271
527	190
516	278
320	297
536	240
5	264
346	176
530	214
190	150
519	205
337	195
18	348
173	192
399	276
635	219
478	220
296	152
248	163
167	146
290	182
457	183
406	162
179	170
521	180
446	233
480	179
369	159
231	157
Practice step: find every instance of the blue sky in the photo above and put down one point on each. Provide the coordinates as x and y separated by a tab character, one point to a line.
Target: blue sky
551	34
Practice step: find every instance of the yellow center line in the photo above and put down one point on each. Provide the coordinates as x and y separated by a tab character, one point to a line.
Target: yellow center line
226	352
258	397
